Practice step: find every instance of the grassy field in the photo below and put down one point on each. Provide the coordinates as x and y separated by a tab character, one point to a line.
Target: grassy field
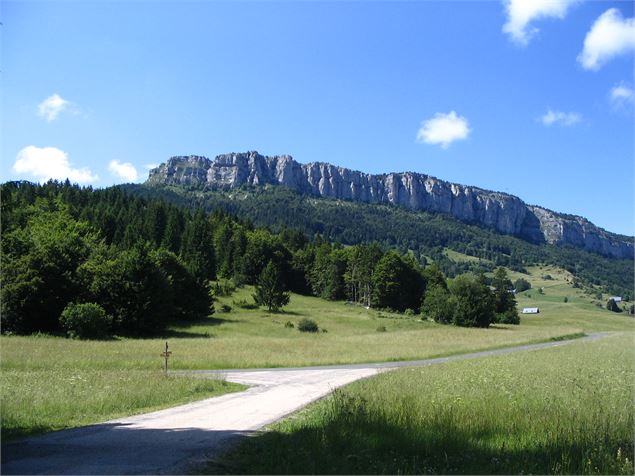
41	400
566	410
51	382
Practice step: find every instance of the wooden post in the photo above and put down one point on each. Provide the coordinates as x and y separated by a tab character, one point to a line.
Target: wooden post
166	354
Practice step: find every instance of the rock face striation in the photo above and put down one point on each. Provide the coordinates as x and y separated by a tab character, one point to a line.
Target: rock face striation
505	213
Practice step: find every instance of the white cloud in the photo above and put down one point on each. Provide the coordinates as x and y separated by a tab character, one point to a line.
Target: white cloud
443	129
621	95
52	106
45	163
560	118
520	13
124	170
610	36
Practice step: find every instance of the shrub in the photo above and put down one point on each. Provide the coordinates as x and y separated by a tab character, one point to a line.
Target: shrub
508	317
223	287
474	302
439	304
521	285
307	325
289	325
225	308
566	299
381	329
409	312
611	305
86	321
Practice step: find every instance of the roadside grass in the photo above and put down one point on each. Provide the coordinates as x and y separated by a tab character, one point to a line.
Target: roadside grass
36	372
41	400
566	410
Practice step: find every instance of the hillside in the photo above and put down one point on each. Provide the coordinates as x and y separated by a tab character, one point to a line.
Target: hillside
424	234
501	212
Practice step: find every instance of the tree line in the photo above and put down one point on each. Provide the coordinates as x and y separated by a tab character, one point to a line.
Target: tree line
147	262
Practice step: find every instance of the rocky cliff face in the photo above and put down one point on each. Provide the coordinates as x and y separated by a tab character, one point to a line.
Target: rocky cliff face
505	213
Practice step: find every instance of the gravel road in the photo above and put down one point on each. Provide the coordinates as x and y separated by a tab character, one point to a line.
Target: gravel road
171	440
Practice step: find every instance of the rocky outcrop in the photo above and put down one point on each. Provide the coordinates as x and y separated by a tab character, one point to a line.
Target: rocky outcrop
505	213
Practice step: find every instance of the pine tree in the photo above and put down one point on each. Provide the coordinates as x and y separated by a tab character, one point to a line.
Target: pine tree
270	290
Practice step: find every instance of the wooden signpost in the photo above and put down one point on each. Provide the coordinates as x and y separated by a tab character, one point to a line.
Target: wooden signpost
166	355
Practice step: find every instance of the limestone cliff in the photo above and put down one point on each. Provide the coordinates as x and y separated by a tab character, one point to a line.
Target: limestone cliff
505	213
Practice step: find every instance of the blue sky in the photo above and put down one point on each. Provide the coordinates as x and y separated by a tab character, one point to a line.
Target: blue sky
533	97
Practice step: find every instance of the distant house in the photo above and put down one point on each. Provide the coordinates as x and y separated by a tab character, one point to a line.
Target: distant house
617	299
531	310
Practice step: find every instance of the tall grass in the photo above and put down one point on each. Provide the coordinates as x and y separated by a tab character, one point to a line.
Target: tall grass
566	410
37	401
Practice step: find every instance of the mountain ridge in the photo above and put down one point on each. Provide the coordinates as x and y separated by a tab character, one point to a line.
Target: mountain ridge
503	212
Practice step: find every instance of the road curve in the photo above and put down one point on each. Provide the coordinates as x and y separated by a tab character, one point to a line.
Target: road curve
171	440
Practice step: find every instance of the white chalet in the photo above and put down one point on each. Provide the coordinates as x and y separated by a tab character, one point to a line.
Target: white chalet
531	310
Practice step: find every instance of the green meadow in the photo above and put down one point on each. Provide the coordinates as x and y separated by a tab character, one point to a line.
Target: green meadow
564	410
50	383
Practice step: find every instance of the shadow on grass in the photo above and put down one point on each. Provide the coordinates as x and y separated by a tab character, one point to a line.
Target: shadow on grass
282	312
352	441
112	448
180	329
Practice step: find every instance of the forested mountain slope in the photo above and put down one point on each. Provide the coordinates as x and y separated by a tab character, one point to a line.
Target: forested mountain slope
424	234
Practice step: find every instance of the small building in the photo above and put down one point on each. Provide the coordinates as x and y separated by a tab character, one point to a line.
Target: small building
617	299
531	310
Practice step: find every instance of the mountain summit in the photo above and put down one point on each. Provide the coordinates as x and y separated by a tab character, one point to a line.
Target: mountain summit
505	213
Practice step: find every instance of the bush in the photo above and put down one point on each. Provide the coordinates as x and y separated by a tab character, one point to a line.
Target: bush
289	325
225	308
381	329
438	304
307	325
223	287
86	321
611	305
566	299
409	312
474	302
508	317
521	285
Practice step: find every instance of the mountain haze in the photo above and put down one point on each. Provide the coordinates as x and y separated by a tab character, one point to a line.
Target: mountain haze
504	213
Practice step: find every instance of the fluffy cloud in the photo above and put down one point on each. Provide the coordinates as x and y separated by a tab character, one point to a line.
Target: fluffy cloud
52	106
443	129
610	36
124	170
621	95
520	13
560	118
44	163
